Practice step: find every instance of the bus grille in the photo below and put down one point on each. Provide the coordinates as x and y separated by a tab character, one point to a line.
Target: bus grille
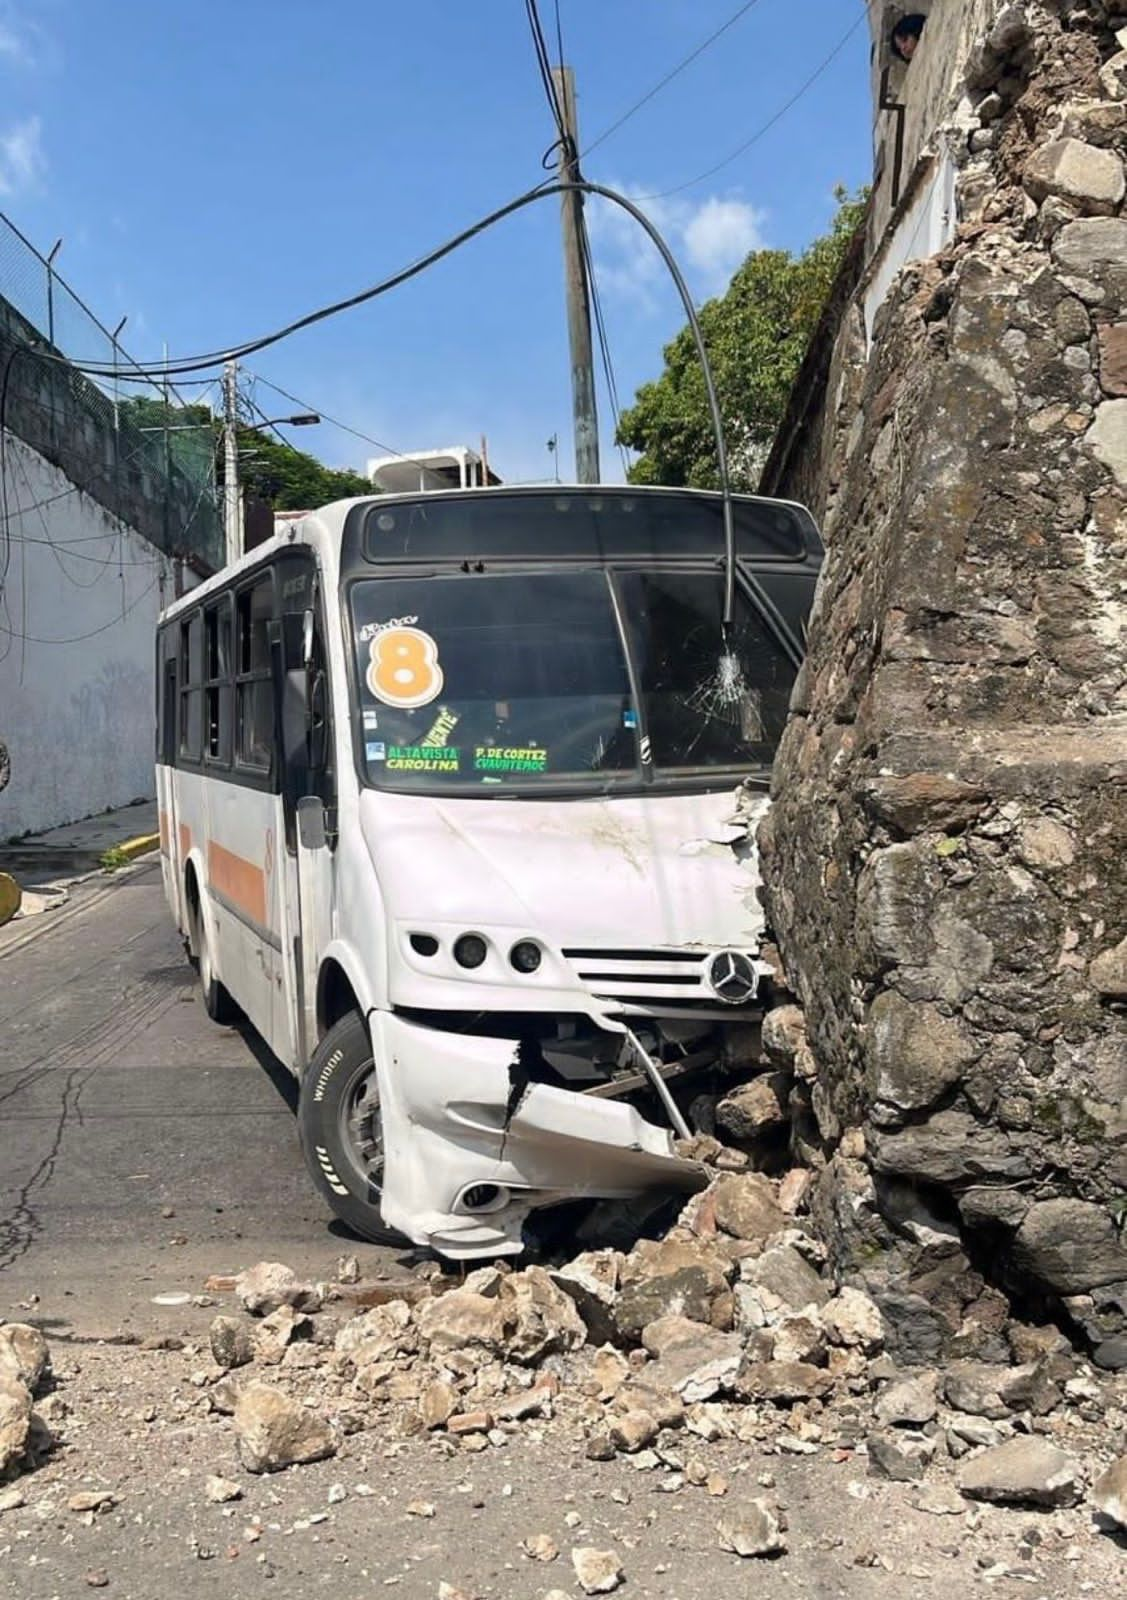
677	977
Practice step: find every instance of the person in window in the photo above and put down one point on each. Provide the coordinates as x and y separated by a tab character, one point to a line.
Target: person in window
906	35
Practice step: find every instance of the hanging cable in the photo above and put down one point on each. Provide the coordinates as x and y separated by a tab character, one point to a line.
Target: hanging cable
765	128
669	77
543	192
604	342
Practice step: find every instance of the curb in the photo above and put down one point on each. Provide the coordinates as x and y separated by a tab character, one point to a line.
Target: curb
140	846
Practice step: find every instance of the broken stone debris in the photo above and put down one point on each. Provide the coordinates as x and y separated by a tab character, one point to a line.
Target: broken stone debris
1109	1493
1022	1471
597	1571
756	1529
275	1431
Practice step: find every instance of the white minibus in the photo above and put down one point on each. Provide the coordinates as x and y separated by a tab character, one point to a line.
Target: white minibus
458	795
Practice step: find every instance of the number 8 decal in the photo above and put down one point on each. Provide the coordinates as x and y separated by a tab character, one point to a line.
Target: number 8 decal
404	669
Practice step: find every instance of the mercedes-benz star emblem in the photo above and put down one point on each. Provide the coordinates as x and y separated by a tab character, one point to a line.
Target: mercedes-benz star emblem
733	978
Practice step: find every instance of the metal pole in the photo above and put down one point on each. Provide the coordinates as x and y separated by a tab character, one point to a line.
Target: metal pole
55	248
577	287
232	496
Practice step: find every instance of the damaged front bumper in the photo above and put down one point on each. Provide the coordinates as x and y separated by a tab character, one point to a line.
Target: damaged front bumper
472	1147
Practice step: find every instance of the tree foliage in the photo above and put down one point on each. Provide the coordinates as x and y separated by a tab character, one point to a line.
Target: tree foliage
286	478
756	333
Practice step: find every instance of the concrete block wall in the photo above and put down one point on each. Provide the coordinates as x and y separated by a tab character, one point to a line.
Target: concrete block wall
81	595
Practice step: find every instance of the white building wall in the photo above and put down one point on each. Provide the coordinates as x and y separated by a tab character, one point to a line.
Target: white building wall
78	612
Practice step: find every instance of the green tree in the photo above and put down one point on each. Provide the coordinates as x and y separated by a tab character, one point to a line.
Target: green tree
271	470
289	479
756	333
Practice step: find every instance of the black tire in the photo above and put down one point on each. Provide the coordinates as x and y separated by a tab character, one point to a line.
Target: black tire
338	1118
217	1001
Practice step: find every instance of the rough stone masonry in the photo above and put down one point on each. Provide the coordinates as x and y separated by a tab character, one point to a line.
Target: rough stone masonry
944	861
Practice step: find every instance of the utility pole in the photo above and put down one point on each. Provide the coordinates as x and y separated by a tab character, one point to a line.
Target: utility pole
577	286
232	494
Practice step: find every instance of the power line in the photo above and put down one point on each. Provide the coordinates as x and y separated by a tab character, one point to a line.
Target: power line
604	341
543	61
664	194
669	76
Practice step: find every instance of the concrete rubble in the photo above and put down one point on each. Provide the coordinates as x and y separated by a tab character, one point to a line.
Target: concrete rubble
730	1327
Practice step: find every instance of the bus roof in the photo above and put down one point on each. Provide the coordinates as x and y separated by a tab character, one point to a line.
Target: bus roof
339	512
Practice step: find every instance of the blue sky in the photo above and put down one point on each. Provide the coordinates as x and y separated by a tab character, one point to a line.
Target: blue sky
218	168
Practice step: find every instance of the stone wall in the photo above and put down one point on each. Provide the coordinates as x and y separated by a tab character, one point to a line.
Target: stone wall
944	861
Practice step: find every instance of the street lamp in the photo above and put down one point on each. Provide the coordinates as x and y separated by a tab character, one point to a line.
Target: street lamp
306	419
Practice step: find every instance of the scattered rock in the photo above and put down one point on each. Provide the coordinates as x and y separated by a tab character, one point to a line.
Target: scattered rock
91	1500
270	1284
462	1320
438	1404
754	1109
23	1354
272	1335
1022	1471
420	1508
377	1335
699	1293
15	1420
1109	1493
900	1456
782	1382
779	1280
746	1207
231	1344
592	1281
692	1360
540	1547
540	1318
597	1571
633	1431
221	1490
911	1403
755	1529
274	1431
853	1320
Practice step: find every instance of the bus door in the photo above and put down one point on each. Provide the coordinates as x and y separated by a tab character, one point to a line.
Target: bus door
309	794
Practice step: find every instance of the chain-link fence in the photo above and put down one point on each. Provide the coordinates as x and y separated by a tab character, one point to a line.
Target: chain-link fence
139	461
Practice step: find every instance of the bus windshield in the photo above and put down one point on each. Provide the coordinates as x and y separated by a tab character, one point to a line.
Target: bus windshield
526	680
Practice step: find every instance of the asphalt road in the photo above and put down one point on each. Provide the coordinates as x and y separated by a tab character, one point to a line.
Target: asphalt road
120	1101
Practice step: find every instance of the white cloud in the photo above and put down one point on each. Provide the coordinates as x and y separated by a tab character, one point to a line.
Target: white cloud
22	160
710	239
720	234
22	39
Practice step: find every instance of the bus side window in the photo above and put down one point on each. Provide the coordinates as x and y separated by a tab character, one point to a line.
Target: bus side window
167	727
191	690
254	687
218	682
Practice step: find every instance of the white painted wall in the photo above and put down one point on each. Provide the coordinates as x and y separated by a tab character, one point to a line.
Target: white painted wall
926	224
77	626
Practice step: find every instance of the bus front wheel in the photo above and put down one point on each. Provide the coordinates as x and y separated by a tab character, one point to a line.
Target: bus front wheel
341	1133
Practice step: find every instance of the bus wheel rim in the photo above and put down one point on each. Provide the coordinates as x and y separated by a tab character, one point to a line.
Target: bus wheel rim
360	1130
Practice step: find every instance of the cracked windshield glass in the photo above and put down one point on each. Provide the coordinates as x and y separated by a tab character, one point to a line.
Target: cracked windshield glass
518	680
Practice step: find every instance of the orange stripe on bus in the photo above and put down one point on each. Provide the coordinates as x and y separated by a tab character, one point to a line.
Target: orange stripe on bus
240	880
185	842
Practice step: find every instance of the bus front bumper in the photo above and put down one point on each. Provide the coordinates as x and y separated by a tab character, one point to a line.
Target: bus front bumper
471	1147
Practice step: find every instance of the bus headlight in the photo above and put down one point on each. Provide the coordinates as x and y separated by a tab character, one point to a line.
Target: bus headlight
470	950
526	956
